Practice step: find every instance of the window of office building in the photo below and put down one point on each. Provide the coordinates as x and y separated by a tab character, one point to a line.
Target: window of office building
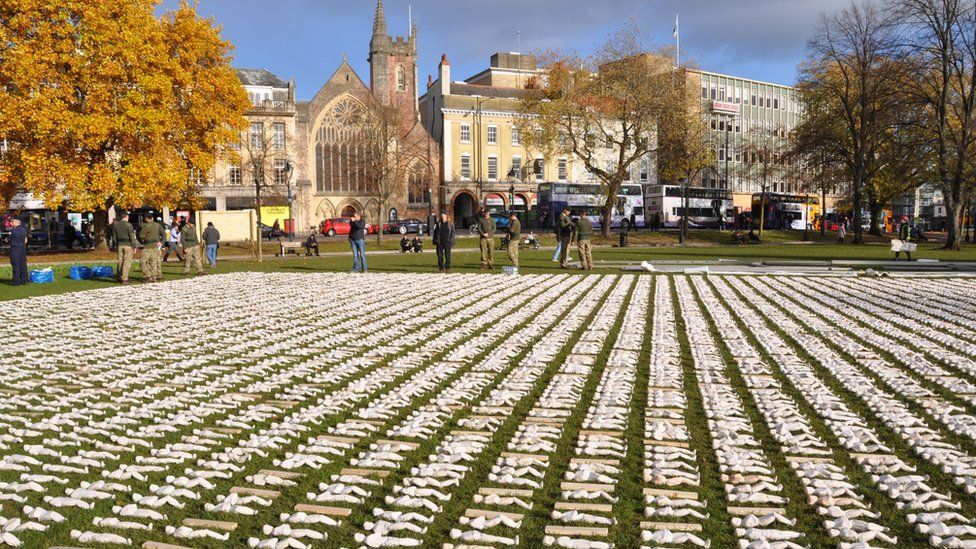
465	133
257	136
539	168
516	137
562	169
235	176
645	171
278	135
280	175
465	166
517	167
492	135
493	168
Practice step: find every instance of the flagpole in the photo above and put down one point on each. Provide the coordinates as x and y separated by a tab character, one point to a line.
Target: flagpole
677	42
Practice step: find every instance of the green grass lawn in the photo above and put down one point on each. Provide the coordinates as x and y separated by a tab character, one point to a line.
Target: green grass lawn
469	261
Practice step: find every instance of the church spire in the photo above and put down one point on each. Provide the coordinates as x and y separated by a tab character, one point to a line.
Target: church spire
379	23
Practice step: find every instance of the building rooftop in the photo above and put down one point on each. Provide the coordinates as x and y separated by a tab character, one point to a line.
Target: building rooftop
461	88
260	77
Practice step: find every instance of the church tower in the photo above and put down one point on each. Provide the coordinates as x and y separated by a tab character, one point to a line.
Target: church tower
393	69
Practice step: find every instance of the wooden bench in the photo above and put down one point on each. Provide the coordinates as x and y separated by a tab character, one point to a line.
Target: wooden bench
294	247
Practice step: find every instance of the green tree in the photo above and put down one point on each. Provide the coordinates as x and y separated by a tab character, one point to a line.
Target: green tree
602	111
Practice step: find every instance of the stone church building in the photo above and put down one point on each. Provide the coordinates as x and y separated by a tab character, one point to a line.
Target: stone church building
313	153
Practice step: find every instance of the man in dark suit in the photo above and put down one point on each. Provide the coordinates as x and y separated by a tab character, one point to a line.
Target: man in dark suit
444	241
18	252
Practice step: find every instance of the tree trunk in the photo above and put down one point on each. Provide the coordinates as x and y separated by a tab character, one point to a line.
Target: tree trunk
607	218
953	224
379	222
823	212
856	214
100	228
762	211
875	228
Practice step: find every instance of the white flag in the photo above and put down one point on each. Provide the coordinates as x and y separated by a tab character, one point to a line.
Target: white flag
676	26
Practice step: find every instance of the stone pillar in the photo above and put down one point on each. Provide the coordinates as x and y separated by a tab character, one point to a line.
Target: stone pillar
220	202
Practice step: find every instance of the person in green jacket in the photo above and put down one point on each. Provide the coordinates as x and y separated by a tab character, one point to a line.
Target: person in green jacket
514	235
584	231
191	248
565	234
152	235
486	229
125	242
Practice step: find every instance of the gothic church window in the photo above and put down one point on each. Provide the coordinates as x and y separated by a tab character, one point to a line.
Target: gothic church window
401	78
341	149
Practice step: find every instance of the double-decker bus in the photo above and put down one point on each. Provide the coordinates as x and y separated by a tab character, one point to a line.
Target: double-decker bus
589	198
706	207
786	211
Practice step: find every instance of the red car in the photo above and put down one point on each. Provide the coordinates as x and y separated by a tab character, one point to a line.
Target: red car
332	227
340	225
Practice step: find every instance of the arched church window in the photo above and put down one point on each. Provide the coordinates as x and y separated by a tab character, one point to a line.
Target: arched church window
340	149
401	78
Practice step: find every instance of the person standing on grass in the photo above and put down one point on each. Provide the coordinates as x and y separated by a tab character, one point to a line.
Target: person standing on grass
357	240
173	243
152	235
18	252
69	234
565	226
443	242
584	231
905	235
514	235
486	231
841	234
211	239
125	243
191	248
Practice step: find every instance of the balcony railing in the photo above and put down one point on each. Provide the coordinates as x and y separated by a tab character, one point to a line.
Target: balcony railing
272	105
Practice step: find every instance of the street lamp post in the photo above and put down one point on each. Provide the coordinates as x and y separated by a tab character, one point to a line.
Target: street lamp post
291	199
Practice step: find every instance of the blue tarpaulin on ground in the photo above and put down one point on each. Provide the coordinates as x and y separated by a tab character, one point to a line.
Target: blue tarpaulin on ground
103	271
42	276
79	272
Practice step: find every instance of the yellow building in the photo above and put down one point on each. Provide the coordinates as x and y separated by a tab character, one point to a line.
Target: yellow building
484	163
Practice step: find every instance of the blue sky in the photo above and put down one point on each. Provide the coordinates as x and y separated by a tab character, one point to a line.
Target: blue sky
305	39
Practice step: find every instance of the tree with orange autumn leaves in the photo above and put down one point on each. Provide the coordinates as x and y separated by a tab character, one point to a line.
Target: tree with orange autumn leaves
104	103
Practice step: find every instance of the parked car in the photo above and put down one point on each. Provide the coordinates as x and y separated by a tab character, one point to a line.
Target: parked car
405	226
332	227
270	233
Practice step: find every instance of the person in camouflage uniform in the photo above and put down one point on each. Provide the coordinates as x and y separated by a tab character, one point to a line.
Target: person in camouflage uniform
486	230
125	242
514	235
584	232
152	235
191	248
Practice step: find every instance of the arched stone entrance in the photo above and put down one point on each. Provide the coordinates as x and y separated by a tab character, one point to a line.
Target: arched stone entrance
465	210
348	211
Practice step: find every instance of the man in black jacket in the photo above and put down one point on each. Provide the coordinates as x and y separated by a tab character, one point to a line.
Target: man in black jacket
357	239
444	241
